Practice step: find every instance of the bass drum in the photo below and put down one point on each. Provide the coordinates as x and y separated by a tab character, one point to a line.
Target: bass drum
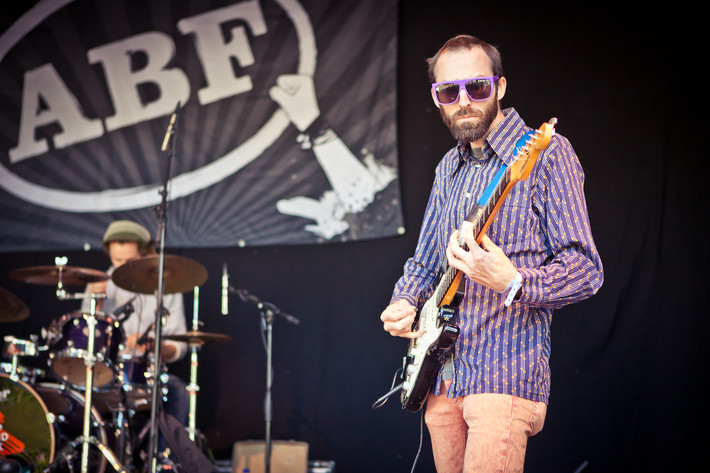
38	425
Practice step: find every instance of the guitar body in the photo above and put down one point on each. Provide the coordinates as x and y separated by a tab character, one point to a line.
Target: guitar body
422	367
435	319
427	353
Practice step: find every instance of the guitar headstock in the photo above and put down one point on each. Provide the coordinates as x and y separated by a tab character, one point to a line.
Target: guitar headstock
526	157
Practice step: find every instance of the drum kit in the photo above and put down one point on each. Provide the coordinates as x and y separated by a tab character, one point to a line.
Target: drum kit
83	413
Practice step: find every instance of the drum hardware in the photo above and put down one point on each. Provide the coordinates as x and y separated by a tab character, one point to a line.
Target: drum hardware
22	373
131	392
141	275
50	275
85	439
159	274
193	387
81	337
195	339
16	348
122	433
69	347
198	338
40	419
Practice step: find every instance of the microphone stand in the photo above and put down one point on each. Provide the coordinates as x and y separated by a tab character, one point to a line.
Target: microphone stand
267	311
161	211
267	322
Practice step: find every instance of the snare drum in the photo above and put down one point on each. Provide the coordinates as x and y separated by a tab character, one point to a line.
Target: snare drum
68	353
37	423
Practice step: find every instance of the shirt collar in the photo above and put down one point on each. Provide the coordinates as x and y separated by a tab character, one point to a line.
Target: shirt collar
500	143
504	137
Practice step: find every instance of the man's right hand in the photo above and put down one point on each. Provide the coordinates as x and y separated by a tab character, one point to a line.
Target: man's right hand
398	318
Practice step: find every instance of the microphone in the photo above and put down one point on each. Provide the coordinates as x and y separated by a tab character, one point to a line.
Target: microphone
171	124
126	308
225	290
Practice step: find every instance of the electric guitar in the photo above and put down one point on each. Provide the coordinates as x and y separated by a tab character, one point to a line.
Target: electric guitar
427	352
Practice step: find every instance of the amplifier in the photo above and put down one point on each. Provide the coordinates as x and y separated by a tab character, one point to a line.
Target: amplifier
287	456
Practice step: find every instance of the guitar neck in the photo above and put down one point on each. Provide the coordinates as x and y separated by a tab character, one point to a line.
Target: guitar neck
487	206
485	210
480	218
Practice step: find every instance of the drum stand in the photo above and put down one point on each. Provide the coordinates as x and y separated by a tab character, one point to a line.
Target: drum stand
193	387
85	439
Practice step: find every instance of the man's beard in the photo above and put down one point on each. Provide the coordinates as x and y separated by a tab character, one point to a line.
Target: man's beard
469	132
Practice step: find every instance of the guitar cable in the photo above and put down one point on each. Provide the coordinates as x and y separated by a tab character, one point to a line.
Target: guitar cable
393	389
381	402
421	440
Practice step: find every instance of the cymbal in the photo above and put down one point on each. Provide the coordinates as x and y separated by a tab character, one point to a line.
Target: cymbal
197	337
12	309
141	275
71	275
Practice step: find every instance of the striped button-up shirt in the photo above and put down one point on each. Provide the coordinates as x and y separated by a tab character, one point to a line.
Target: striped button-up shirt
544	229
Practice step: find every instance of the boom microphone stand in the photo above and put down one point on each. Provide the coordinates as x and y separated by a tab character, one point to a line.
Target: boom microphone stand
161	211
268	311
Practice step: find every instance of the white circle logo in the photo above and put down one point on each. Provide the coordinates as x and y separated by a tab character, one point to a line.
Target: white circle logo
181	185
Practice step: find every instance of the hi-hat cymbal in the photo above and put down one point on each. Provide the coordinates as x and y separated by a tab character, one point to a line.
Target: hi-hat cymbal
141	275
197	337
49	275
12	309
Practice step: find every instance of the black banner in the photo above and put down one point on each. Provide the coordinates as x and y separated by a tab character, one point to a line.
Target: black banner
274	121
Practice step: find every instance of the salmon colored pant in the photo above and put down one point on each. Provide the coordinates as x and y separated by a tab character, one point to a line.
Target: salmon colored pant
482	433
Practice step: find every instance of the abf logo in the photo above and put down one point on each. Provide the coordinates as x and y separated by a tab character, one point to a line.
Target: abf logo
136	79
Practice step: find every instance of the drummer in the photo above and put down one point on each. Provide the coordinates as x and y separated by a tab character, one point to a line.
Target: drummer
125	241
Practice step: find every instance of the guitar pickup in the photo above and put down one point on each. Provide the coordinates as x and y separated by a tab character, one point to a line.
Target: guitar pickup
447	314
407	361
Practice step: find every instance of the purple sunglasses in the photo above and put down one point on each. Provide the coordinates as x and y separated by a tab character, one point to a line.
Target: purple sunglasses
477	89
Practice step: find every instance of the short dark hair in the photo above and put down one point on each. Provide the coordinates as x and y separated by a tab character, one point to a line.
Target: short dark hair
467	42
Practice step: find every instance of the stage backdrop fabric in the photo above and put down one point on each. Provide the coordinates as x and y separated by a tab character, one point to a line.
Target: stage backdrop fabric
274	120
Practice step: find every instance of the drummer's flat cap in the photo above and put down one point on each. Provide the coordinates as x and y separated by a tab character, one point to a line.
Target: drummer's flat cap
126	230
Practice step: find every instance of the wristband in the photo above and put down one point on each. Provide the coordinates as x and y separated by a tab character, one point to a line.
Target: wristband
317	133
513	289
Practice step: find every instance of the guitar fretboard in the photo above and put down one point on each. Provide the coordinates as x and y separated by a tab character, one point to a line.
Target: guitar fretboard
478	217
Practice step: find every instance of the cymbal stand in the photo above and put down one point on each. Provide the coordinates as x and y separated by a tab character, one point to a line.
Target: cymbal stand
162	212
89	361
193	387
